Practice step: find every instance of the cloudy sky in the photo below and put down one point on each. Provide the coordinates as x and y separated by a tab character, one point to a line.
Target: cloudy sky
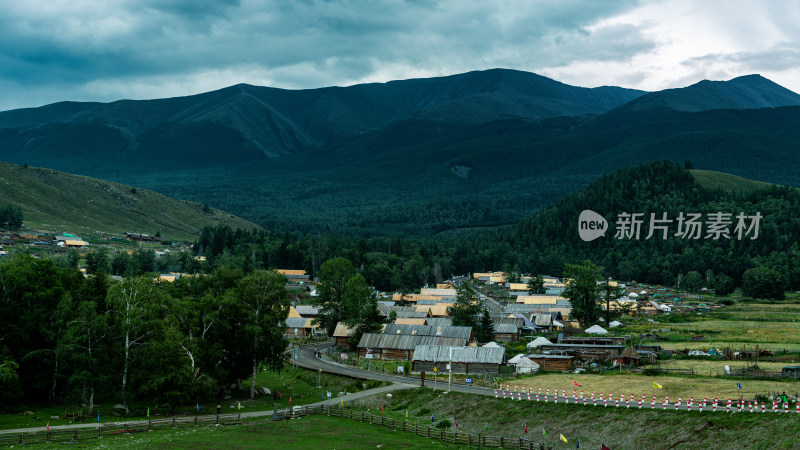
104	50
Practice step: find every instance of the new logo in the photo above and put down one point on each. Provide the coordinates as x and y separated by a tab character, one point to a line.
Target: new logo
591	225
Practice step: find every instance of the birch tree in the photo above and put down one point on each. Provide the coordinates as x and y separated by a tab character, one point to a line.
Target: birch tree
264	305
131	304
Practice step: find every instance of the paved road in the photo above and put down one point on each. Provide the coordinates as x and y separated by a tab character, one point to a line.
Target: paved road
491	303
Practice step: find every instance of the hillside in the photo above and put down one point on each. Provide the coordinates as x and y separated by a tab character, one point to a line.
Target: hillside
710	179
60	202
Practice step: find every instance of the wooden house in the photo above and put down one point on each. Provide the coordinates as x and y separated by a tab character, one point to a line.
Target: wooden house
342	335
400	346
506	332
462	360
300	327
562	363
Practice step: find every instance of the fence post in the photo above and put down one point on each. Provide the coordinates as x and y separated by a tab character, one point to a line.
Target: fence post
195	420
174	423
125	427
501	441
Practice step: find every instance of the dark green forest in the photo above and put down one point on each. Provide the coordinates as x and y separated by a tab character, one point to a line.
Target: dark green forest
72	340
544	243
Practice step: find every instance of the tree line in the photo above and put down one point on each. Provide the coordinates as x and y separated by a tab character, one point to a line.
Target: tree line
71	340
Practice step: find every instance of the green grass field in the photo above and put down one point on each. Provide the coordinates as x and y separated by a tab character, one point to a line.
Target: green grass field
316	431
718	180
299	385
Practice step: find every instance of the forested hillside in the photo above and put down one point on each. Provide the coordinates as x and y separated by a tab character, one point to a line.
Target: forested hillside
545	242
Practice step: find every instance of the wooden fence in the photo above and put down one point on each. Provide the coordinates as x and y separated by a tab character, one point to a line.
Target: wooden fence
83	433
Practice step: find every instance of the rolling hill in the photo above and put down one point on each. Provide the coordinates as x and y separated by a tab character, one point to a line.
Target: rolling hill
57	201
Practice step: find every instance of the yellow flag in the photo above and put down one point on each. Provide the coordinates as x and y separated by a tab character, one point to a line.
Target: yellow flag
342	401
240	406
657	386
563	438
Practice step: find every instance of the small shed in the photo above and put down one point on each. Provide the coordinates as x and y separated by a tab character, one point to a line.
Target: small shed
628	356
554	362
342	335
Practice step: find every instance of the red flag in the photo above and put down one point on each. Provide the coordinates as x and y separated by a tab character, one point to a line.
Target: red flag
576	383
290	401
526	428
381	407
603	447
456	424
48	427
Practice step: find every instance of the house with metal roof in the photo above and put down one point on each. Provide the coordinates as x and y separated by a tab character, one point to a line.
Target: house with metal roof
506	332
400	346
429	330
307	311
463	360
439	321
300	327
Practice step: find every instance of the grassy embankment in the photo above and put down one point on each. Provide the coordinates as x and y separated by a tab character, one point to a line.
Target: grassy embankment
299	385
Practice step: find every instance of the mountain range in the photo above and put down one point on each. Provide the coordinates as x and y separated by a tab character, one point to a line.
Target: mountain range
479	149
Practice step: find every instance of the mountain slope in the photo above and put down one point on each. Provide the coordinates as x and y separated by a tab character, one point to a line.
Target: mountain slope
63	202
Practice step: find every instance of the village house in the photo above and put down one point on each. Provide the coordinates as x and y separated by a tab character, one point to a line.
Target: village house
293	275
506	332
307	311
300	327
462	360
400	346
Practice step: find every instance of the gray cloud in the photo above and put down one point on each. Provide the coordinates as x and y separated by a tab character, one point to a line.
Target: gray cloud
781	56
109	49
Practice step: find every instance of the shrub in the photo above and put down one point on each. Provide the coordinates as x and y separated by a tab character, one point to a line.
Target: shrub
423	411
443	424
